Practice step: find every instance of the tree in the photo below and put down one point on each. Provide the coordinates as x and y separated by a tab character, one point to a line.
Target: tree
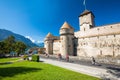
2	48
9	44
19	48
10	39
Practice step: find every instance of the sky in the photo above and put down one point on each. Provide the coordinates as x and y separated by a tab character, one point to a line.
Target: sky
36	18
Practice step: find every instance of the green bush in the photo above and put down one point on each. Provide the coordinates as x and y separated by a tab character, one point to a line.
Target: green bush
35	58
25	57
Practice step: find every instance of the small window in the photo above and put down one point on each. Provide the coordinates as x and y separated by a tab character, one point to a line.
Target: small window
84	29
61	38
68	38
114	35
100	52
69	46
98	37
84	44
98	29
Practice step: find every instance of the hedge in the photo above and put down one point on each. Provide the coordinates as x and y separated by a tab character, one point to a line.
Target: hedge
35	58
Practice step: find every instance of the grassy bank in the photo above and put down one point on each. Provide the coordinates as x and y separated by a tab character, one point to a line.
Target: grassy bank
27	70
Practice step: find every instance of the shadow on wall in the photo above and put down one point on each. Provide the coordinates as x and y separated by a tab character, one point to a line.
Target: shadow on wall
75	46
12	71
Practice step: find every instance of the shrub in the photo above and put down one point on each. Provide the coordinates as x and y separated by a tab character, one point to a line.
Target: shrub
35	58
25	57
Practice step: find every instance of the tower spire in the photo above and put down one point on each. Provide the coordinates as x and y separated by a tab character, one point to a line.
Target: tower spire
84	3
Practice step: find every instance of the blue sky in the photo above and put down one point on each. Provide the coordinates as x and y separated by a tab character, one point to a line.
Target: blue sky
35	18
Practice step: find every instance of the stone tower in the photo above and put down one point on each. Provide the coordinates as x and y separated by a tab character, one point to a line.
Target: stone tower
49	43
66	39
86	20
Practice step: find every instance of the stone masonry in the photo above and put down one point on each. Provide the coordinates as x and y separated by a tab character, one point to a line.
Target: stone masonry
102	41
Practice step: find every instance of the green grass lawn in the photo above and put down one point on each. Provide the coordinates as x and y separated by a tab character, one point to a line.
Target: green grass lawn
8	59
27	70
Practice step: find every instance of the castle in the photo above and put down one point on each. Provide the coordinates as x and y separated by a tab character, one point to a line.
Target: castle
89	41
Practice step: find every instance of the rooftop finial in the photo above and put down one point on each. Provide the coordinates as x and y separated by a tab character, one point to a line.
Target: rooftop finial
84	3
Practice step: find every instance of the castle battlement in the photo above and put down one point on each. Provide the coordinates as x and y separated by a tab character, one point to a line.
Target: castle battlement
112	29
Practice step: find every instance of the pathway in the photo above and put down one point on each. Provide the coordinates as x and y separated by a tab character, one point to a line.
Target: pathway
89	70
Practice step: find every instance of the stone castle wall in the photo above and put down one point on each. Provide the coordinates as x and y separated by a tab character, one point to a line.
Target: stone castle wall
99	41
99	31
56	47
89	41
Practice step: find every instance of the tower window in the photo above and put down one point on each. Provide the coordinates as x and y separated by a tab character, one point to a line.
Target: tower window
97	28
69	46
84	29
98	37
61	38
68	38
114	35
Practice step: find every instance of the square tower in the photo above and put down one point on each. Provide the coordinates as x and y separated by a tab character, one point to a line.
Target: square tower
86	20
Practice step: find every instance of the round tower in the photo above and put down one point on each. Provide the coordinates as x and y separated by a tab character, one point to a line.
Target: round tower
66	38
49	43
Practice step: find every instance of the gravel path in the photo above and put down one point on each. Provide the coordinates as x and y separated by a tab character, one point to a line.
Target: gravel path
93	71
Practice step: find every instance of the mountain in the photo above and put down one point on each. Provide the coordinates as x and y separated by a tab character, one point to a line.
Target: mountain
5	33
40	44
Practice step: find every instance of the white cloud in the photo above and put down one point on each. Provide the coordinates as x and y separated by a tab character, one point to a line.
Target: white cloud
39	41
30	38
33	40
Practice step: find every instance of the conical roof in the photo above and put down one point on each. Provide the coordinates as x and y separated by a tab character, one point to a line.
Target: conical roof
66	26
49	35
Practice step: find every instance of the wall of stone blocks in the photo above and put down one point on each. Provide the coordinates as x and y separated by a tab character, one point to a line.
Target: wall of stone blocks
56	47
99	46
99	31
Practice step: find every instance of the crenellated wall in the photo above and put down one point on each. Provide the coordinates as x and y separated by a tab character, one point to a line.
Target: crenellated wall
99	31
